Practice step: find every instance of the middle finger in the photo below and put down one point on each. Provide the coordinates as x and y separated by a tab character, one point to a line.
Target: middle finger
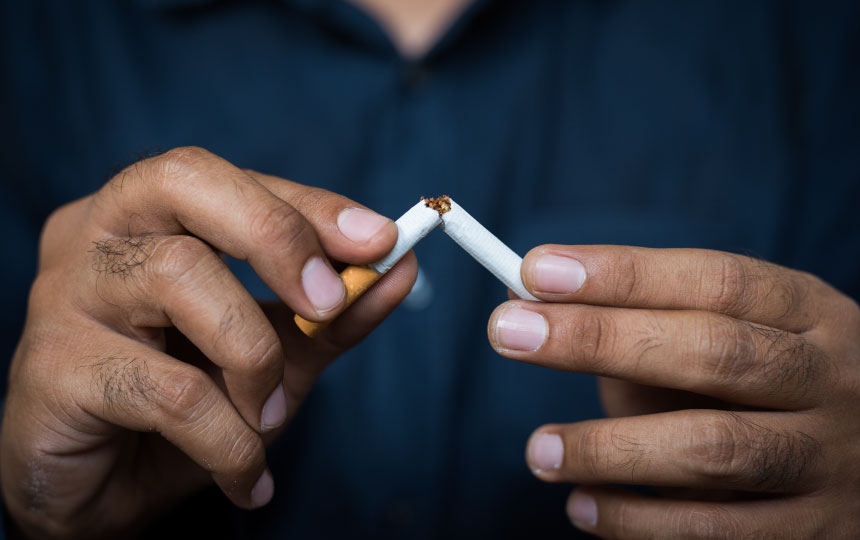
703	352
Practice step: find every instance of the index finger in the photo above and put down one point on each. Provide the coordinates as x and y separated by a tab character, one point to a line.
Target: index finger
191	190
633	277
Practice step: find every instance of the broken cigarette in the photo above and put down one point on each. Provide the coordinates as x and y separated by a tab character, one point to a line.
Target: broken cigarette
411	227
414	225
488	250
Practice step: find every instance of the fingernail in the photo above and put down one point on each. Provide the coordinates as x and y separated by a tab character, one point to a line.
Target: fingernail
263	490
520	329
555	274
322	286
360	225
547	451
582	510
275	409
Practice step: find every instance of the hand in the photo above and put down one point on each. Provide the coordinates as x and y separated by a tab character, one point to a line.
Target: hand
729	376
110	418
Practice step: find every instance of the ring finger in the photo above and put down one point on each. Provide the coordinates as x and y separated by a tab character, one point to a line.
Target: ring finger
702	449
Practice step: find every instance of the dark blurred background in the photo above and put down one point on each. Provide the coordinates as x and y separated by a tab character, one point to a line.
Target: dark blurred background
730	125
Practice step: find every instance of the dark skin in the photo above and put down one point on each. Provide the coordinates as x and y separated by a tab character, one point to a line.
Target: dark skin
722	372
729	377
145	370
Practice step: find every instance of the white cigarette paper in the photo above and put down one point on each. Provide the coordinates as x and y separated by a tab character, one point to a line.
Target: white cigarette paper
488	250
414	225
411	228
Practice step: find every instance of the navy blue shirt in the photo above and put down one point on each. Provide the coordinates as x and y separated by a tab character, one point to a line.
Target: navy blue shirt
729	125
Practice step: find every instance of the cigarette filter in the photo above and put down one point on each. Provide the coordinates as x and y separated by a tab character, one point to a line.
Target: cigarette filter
411	227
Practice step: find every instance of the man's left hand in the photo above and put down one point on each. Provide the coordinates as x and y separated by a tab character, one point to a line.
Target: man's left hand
733	379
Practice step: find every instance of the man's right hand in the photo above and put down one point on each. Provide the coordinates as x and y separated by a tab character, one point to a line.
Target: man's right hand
145	370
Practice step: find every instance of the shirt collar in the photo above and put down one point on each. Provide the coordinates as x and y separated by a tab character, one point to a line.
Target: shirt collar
178	4
334	13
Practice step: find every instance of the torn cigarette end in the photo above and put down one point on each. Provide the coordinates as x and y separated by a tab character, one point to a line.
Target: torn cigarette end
414	225
357	280
441	204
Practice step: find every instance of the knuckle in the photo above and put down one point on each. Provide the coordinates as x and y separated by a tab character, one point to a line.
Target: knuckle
724	284
784	294
175	257
55	223
627	284
590	452
281	225
174	166
738	452
55	230
713	522
792	365
311	198
179	160
263	356
641	342
726	351
592	336
605	451
626	523
848	310
717	450
43	291
185	393
54	302
245	455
